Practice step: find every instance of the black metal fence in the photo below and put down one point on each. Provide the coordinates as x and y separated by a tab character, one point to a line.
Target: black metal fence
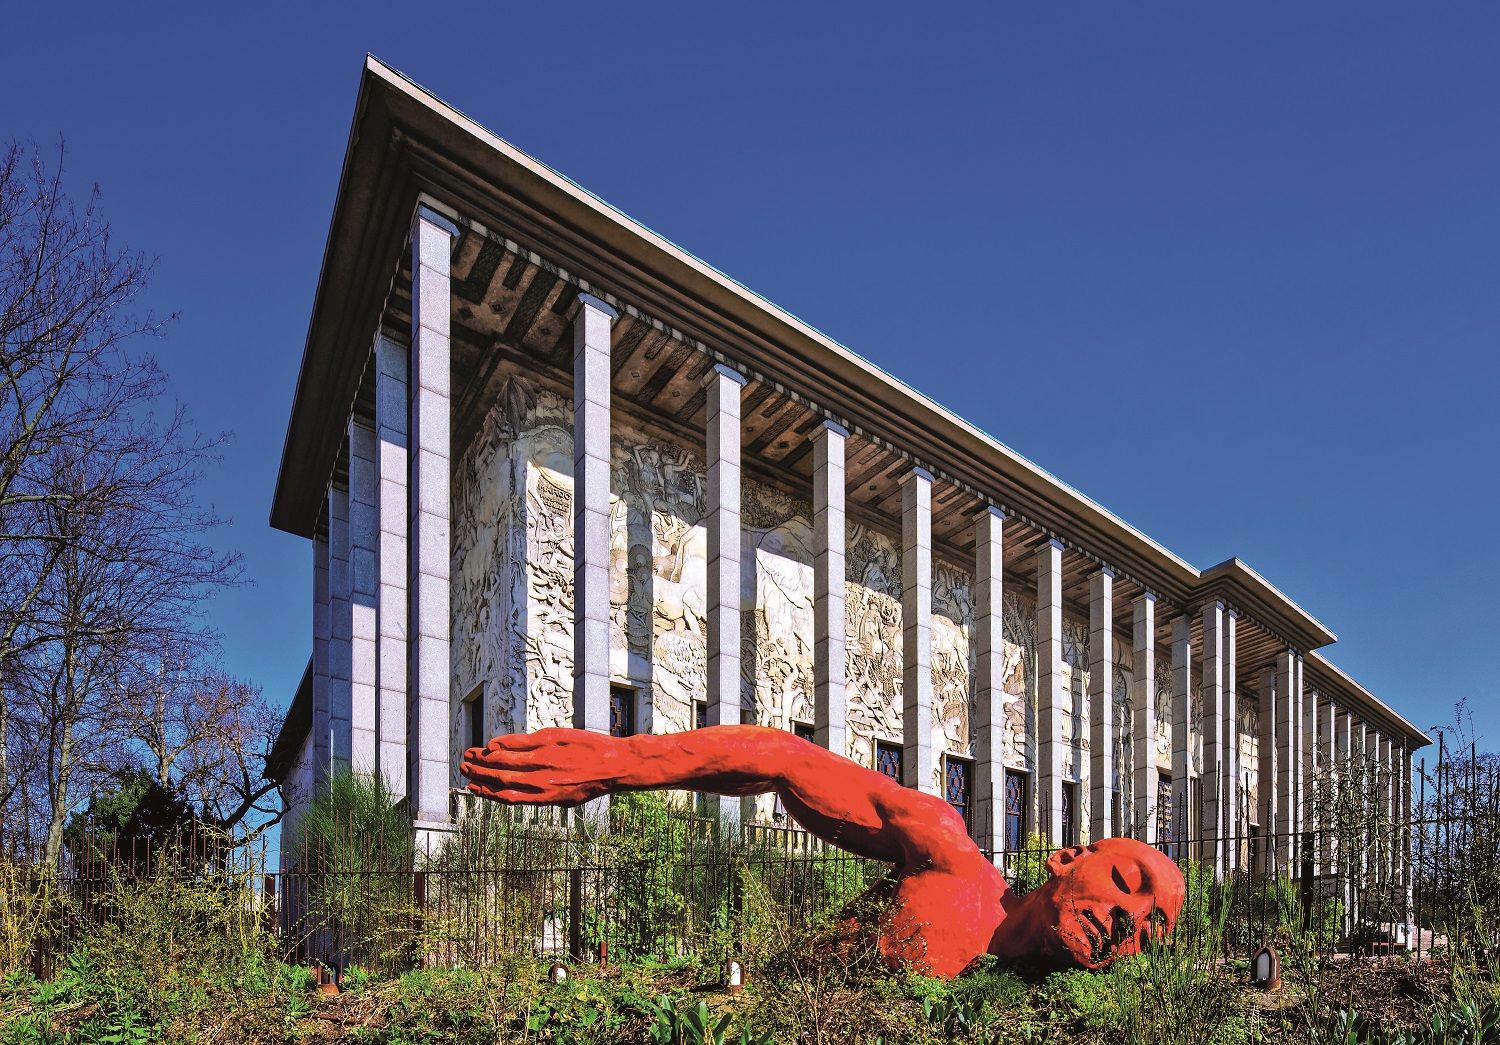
505	883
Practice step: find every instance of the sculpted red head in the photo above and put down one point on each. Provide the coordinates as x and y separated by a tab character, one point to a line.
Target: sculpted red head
1104	900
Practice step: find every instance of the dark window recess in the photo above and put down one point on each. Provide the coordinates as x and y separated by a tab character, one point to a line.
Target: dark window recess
1069	814
1015	810
804	730
956	775
888	761
1166	810
700	714
1253	846
475	708
621	711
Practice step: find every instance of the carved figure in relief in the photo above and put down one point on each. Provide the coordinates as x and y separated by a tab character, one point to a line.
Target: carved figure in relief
949	906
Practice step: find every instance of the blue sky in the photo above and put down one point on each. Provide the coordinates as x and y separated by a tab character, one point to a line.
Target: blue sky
1230	271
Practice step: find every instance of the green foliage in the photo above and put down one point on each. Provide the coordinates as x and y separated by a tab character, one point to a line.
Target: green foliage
650	842
32	910
1176	993
139	809
355	844
1028	868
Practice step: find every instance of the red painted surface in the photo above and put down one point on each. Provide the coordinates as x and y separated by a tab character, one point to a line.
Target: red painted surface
952	905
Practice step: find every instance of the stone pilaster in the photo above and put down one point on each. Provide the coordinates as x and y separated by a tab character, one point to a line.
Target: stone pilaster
1287	761
830	701
592	321
1182	733
724	388
340	633
1143	750
429	521
1299	764
392	465
1210	780
322	618
1049	652
916	623
989	668
1270	761
1231	778
1310	763
363	530
1329	760
1101	703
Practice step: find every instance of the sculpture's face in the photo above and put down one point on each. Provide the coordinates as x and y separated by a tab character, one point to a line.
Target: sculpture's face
1108	899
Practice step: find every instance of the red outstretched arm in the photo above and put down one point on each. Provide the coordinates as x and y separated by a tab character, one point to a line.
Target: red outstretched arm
831	796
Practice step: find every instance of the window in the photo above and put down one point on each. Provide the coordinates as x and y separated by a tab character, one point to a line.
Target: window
888	760
1253	846
474	714
700	714
1166	822
1015	810
1069	814
805	731
621	711
956	777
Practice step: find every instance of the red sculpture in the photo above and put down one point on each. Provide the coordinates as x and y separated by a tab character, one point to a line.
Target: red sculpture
952	905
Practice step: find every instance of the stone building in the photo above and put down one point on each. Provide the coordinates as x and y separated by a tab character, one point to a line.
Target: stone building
556	471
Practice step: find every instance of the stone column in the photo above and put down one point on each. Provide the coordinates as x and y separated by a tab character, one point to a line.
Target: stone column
1287	761
916	634
391	465
1386	797
1143	749
724	388
1328	756
363	528
1299	765
322	617
1308	736
1270	761
1210	781
1230	776
1182	736
428	522
1049	650
989	667
1101	703
340	633
1364	760
830	706
592	320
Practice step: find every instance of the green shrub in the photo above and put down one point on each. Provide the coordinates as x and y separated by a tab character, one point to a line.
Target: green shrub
356	848
1028	868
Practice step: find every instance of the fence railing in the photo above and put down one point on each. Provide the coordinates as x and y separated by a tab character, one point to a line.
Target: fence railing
500	884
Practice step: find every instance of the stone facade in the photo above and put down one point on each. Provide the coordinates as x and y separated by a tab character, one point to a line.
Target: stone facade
513	614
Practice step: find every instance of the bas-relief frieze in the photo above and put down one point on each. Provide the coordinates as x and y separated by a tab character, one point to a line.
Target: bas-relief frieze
513	597
513	602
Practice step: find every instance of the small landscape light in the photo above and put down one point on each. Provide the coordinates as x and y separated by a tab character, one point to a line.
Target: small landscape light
1265	969
558	973
323	979
734	975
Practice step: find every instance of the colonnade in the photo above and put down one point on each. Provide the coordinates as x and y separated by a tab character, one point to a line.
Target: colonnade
382	590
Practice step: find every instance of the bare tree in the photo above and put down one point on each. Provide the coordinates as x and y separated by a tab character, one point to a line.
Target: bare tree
103	562
130	578
205	737
68	308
